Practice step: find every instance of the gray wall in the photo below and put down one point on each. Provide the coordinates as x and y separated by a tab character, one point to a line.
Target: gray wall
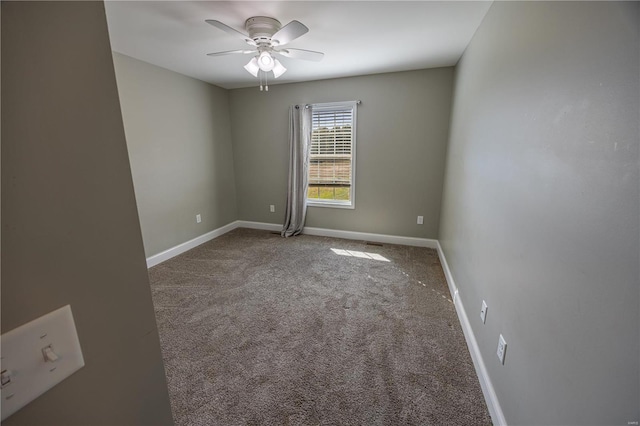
541	213
70	229
179	141
402	133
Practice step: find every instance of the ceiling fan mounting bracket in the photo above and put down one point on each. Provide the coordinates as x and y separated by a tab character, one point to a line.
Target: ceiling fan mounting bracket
262	28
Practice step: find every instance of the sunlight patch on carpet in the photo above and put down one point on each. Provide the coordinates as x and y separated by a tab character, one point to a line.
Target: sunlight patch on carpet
360	254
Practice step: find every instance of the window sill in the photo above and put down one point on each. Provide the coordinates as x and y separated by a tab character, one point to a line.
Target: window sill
332	204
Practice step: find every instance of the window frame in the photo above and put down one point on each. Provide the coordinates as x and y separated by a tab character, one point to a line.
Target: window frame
340	204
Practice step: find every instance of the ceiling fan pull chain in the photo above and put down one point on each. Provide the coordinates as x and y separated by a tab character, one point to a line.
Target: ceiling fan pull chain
260	77
266	84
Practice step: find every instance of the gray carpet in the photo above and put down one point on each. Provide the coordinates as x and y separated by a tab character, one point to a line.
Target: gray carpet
258	329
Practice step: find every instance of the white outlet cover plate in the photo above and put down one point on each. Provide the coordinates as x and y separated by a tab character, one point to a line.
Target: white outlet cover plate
502	349
483	312
22	357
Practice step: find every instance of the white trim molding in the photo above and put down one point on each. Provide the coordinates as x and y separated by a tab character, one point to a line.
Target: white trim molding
376	238
186	246
347	235
277	227
497	416
322	232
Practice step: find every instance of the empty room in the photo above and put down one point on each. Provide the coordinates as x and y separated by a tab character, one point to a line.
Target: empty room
320	212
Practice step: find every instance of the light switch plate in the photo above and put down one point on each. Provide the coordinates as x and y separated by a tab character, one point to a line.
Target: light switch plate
483	312
502	349
23	363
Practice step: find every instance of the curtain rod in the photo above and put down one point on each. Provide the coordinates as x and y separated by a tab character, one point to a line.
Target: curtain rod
358	102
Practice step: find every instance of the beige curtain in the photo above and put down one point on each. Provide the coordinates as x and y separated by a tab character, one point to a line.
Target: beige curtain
299	146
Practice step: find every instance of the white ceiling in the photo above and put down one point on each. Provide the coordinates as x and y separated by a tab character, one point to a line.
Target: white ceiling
357	37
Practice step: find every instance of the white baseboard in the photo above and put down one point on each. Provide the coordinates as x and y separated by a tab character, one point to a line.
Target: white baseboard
181	248
497	416
347	235
377	238
322	232
259	225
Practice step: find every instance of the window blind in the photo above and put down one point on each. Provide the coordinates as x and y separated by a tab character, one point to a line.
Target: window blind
331	147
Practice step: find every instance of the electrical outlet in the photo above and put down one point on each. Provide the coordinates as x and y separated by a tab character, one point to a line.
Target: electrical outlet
502	349
420	220
198	218
483	312
272	208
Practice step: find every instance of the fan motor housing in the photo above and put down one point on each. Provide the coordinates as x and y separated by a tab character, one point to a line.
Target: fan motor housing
262	28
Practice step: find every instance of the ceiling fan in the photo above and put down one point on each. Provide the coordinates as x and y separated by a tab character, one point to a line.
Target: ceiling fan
266	36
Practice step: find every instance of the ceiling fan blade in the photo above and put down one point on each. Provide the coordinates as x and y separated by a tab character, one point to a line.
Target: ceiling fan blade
231	52
289	32
232	31
307	55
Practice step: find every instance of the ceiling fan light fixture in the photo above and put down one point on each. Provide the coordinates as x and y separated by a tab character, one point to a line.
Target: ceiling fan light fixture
278	69
266	61
265	35
253	67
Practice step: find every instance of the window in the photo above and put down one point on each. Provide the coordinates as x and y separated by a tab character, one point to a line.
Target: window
332	156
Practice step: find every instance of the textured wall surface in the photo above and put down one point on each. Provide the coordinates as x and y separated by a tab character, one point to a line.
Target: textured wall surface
402	132
70	230
179	141
540	210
